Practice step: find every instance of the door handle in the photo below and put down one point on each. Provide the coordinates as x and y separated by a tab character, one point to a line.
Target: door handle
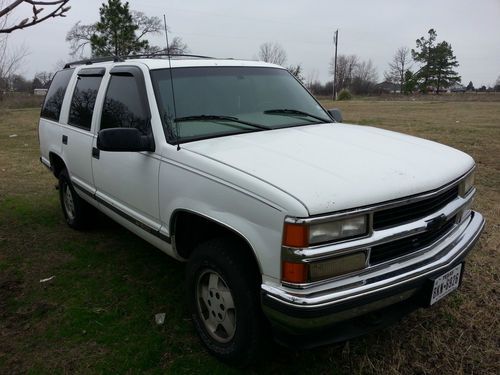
65	139
95	153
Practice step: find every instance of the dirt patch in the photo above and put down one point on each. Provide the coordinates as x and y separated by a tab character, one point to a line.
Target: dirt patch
10	287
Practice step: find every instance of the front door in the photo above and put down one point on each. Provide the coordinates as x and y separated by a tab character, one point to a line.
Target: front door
127	182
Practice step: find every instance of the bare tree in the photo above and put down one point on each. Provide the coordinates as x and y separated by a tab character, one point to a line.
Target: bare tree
79	38
346	65
10	62
401	62
272	53
146	25
176	47
10	58
366	71
312	78
297	71
44	78
58	9
364	77
59	65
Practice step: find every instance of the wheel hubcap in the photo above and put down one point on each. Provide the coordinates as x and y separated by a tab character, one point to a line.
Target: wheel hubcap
69	205
216	306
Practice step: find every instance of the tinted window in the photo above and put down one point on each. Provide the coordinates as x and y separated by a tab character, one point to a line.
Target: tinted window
251	94
53	100
123	105
82	104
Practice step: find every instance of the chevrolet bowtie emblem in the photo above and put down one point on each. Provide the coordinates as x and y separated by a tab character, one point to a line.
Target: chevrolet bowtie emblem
437	222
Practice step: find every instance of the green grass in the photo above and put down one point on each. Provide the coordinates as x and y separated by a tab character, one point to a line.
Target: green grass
97	314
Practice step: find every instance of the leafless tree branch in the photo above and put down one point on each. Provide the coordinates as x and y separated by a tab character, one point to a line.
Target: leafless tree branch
272	53
59	10
79	38
401	62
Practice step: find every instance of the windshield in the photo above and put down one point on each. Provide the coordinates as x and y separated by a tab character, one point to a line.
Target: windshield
218	101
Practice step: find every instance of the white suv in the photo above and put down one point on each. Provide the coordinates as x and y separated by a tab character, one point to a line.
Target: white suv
319	230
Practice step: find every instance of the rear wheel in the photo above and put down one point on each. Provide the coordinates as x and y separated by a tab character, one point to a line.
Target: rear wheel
75	209
223	285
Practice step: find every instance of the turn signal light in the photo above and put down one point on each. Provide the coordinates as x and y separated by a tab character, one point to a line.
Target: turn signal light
296	235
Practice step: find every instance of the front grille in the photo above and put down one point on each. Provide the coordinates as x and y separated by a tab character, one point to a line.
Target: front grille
413	211
395	249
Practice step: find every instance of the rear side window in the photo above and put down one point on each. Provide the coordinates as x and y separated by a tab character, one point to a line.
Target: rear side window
82	104
123	106
53	100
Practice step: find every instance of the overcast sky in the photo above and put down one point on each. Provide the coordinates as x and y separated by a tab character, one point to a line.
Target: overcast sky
232	28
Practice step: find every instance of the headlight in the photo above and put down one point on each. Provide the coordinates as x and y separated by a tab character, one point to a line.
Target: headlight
304	235
467	184
339	229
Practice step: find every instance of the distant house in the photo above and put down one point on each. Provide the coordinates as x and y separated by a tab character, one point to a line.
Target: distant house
457	87
40	92
387	87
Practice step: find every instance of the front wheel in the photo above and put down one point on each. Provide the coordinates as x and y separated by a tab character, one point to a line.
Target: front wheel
223	284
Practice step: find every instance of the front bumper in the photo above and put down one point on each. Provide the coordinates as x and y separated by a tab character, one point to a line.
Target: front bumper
332	313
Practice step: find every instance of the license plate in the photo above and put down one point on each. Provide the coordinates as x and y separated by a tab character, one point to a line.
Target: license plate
445	284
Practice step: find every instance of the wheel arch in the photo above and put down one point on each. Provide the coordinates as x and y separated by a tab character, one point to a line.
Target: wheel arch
57	164
206	228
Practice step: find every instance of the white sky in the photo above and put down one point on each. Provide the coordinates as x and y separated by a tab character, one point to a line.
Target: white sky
235	28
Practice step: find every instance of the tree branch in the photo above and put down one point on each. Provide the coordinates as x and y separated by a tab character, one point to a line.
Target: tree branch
59	11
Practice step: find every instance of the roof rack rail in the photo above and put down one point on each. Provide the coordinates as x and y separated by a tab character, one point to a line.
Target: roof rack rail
93	60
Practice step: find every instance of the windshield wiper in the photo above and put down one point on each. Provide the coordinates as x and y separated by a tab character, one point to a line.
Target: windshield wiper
294	112
223	118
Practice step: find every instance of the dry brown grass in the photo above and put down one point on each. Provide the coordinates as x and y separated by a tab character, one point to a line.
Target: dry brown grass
16	100
95	316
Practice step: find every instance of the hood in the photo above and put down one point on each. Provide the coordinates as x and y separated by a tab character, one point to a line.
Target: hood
332	167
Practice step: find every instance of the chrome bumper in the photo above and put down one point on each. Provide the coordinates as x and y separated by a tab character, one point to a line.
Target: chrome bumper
369	290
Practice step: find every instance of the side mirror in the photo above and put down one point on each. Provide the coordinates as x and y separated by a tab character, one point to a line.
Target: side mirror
124	139
335	114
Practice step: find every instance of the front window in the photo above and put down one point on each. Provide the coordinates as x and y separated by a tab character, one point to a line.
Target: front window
219	101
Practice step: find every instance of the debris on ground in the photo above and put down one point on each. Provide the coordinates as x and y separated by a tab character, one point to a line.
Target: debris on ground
160	318
47	279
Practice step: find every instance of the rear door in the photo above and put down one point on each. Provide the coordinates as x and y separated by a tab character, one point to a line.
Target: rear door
77	133
49	131
127	182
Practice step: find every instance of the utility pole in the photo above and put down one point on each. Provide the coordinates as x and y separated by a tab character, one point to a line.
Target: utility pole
335	41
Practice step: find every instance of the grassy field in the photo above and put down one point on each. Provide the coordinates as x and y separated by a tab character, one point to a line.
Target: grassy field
97	314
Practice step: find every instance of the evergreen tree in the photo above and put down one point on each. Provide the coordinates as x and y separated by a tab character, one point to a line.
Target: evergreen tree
115	32
438	63
424	56
443	64
410	82
470	87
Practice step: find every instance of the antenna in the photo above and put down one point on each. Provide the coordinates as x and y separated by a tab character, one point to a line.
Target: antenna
172	84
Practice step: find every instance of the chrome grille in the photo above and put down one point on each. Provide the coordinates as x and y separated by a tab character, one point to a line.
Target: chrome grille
395	249
413	211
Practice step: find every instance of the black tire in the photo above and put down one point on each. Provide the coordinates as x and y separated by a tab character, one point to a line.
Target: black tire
239	274
77	215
